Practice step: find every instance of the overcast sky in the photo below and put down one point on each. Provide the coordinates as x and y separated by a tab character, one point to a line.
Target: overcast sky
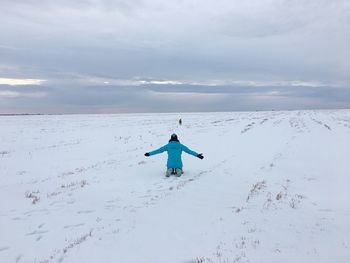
110	56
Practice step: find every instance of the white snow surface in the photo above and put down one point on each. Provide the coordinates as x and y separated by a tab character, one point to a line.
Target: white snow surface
272	187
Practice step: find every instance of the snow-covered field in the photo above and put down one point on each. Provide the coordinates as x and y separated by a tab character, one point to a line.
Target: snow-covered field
273	187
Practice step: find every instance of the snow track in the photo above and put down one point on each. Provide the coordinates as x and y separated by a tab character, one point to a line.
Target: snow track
273	187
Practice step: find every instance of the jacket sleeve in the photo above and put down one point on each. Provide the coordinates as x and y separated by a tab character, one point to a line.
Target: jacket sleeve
160	150
187	150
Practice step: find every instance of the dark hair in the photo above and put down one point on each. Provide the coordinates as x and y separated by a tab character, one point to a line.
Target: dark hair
173	138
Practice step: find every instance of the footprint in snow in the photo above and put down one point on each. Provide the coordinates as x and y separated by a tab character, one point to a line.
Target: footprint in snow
109	207
112	201
325	210
17	218
36	232
4	248
76	225
85	211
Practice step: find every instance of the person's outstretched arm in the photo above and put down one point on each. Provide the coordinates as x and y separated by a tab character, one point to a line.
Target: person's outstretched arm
187	150
160	150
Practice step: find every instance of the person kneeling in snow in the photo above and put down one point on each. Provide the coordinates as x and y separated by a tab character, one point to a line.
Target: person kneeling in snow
174	149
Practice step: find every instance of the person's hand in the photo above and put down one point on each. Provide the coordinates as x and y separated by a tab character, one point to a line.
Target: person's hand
200	156
147	154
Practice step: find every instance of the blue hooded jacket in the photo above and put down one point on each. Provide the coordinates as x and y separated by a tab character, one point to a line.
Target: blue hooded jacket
174	149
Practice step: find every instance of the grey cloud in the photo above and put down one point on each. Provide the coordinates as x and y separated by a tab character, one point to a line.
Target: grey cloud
105	5
69	42
170	98
282	17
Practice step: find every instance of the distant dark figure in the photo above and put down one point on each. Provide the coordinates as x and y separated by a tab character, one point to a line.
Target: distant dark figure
174	149
180	122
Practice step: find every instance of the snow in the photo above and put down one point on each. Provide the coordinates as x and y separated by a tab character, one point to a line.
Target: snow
272	187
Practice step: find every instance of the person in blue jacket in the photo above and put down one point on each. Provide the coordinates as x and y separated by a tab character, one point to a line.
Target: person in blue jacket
174	149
